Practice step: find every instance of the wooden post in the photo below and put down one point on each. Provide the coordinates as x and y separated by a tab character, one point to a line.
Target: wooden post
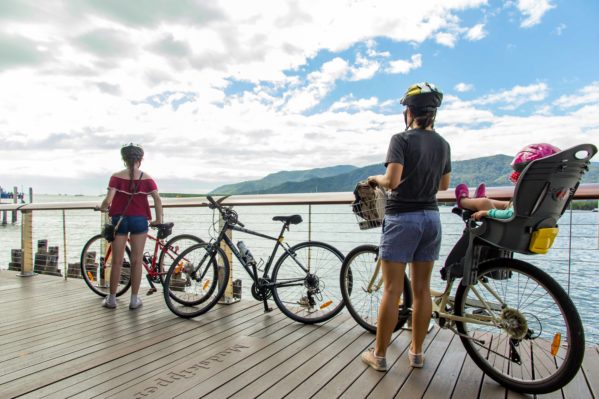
228	295
64	243
15	198
27	244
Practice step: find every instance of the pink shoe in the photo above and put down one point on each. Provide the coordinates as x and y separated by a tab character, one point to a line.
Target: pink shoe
461	191
481	191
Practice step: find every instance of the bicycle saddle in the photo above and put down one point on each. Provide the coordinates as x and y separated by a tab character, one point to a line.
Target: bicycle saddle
164	229
293	219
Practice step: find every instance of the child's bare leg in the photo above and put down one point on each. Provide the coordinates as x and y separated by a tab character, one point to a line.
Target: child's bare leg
483	204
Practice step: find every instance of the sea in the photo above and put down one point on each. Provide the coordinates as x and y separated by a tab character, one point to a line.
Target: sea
573	260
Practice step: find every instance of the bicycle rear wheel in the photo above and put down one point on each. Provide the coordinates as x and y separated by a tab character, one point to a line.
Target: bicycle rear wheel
362	288
529	336
196	280
172	249
306	282
96	264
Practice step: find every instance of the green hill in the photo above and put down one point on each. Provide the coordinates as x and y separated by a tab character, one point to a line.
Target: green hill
264	185
493	170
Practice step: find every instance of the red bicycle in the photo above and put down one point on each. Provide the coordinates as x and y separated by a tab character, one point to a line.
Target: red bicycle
96	260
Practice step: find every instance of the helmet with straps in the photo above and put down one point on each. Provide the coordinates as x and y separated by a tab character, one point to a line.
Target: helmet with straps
528	154
423	96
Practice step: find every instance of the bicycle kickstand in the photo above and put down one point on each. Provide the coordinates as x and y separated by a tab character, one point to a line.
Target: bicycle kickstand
152	286
266	307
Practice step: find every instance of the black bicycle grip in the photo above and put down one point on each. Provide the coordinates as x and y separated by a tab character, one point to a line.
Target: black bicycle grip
213	203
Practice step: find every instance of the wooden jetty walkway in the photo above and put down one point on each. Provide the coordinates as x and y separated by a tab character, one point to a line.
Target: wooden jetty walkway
57	342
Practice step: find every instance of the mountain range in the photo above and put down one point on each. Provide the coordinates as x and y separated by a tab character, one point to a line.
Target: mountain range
493	171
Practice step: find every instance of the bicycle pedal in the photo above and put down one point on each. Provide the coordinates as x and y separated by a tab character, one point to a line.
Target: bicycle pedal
151	291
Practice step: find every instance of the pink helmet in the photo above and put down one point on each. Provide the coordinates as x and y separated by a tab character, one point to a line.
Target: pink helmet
529	154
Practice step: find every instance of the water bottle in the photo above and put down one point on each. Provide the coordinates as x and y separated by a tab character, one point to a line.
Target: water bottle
246	255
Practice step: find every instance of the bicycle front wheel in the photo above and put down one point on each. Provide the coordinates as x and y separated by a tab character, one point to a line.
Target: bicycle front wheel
306	282
96	265
362	288
521	327
172	249
196	280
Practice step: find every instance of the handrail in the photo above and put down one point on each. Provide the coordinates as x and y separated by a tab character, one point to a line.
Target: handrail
584	192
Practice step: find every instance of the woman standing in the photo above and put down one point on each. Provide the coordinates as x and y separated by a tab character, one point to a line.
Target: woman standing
127	204
418	165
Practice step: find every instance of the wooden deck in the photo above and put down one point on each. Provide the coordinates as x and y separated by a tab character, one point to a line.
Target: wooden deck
58	342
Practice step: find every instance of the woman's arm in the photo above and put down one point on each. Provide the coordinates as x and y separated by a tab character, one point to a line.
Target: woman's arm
107	200
392	177
444	183
157	208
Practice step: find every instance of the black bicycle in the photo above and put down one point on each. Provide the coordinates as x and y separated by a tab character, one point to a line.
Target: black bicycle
304	282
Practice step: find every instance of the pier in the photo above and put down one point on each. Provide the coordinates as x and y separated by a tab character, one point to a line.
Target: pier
58	342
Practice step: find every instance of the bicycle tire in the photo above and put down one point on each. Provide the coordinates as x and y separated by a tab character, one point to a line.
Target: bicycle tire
191	285
308	297
356	274
546	309
93	269
172	249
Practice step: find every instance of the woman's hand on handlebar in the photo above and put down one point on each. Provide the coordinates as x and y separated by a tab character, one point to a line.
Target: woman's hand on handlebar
98	209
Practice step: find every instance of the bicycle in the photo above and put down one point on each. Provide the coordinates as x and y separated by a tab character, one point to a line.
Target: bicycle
303	282
515	321
96	260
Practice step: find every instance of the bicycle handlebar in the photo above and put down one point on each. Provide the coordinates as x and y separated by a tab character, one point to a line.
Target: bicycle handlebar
226	212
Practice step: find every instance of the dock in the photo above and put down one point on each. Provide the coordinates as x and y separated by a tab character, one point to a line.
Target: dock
58	342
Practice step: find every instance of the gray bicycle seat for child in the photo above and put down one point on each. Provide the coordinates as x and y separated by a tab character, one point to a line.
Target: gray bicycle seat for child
542	194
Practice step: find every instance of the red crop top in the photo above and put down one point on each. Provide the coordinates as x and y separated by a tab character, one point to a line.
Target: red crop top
139	204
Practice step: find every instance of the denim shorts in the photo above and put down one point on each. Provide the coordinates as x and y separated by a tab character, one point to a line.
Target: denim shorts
411	237
131	224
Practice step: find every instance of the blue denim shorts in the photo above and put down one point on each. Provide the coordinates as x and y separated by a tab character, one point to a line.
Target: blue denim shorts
411	237
131	224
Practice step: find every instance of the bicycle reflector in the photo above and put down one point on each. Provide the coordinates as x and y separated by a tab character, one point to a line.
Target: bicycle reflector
557	339
91	276
206	284
326	304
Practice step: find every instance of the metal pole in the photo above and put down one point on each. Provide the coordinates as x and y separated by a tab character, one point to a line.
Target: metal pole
64	243
30	195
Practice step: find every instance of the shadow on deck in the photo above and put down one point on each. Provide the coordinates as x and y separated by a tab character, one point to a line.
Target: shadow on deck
58	342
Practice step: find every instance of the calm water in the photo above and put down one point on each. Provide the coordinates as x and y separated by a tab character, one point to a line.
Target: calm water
335	225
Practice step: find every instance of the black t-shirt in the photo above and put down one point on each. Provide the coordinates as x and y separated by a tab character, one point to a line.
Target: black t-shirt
425	157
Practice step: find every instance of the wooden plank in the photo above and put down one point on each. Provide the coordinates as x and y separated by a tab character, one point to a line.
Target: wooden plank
469	380
46	372
274	368
400	371
312	384
369	378
578	388
125	371
418	381
318	363
290	332
590	368
446	376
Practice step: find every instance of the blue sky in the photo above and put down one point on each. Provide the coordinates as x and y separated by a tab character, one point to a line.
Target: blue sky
225	91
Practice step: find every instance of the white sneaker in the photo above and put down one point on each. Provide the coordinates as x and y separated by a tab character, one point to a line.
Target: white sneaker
109	302
135	303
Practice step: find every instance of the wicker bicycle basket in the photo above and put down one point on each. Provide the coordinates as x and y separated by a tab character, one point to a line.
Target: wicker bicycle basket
370	213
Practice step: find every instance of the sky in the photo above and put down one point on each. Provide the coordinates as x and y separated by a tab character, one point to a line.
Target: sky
219	92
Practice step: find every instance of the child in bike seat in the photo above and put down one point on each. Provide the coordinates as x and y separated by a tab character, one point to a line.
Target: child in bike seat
486	207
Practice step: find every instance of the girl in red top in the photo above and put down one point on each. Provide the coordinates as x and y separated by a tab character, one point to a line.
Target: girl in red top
127	201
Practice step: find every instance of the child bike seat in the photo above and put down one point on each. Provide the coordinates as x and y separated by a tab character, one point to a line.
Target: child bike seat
541	196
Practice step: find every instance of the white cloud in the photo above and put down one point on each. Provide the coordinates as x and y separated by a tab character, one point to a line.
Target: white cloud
405	66
533	11
516	96
477	32
349	103
585	96
463	87
446	39
559	30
